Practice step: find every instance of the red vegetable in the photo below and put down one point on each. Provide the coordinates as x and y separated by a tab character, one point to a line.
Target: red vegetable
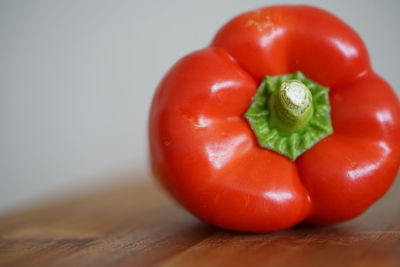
267	161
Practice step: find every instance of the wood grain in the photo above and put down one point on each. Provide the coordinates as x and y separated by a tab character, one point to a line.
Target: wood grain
138	225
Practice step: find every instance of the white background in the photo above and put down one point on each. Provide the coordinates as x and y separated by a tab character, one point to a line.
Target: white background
76	80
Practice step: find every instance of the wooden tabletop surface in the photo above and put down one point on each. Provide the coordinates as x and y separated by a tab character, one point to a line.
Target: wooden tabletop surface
138	225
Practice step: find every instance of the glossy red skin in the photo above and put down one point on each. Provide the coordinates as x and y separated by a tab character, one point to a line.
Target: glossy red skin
205	154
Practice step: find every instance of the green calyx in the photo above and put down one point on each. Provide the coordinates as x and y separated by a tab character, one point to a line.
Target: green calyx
289	114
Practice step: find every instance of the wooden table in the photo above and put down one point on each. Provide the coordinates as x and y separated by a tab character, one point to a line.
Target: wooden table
138	225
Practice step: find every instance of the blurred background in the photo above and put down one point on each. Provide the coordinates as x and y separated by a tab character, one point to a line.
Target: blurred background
77	77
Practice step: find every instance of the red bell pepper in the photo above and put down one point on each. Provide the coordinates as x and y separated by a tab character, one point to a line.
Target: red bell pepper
265	159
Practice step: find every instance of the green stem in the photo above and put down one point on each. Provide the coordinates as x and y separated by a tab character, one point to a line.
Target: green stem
291	106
